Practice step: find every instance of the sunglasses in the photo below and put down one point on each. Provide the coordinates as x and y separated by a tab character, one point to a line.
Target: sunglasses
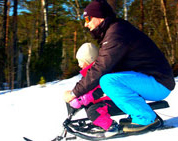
88	19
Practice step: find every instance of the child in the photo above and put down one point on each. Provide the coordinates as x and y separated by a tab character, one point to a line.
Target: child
86	56
98	106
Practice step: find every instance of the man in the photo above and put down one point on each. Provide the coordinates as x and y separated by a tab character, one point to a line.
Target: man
130	68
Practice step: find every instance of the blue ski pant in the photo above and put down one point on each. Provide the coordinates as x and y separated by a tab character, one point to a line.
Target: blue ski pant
129	90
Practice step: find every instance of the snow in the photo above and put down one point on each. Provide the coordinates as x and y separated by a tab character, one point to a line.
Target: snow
38	112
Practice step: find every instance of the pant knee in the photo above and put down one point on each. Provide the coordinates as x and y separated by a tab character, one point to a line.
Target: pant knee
105	81
102	81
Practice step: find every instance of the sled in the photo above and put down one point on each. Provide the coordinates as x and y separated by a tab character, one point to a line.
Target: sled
84	128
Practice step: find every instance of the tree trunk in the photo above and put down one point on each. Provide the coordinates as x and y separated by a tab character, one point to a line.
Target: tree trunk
4	49
37	35
28	65
172	53
141	26
14	48
44	8
75	44
78	13
5	21
176	21
6	31
30	35
125	10
44	26
11	67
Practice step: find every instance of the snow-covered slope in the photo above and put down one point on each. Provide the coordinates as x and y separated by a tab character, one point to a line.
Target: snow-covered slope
38	113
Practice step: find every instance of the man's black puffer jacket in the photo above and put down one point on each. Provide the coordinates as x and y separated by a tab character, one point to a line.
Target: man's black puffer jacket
124	48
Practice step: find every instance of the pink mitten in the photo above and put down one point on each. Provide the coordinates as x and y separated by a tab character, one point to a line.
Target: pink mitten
82	100
75	103
87	98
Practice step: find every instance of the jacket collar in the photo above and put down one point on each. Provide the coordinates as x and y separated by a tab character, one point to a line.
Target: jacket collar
99	32
83	72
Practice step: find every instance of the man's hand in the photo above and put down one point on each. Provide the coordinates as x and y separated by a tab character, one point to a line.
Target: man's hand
68	97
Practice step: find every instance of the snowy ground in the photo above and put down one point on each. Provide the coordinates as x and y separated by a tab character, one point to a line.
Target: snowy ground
38	113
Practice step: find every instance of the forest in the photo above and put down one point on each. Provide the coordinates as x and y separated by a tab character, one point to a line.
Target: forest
39	38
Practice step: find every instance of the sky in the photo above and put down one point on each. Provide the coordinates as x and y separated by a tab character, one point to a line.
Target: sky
37	113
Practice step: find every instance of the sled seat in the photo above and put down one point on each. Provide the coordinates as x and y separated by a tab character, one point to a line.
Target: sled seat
154	105
84	128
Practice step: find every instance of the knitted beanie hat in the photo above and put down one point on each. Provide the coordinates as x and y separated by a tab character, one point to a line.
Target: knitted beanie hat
99	9
88	53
